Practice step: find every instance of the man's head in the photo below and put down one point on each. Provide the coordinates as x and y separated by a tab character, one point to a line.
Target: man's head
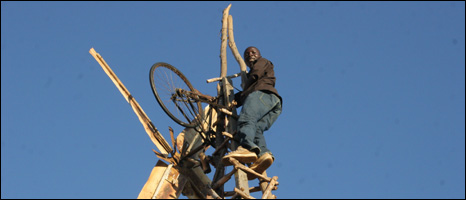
251	54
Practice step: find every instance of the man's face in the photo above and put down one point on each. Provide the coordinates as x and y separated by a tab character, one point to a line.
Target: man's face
250	55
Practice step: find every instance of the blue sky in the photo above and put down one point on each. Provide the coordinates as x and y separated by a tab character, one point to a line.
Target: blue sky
374	101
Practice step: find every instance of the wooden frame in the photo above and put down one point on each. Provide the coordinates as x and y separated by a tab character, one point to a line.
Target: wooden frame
185	173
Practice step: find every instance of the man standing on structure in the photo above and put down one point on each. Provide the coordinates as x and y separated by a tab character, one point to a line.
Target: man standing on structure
261	107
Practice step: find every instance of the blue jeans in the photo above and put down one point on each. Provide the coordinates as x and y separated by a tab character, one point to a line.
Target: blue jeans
259	112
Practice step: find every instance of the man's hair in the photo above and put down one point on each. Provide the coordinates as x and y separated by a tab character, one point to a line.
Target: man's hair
252	47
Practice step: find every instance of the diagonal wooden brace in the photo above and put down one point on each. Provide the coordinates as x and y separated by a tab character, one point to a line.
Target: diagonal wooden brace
224	179
268	191
242	194
238	165
153	133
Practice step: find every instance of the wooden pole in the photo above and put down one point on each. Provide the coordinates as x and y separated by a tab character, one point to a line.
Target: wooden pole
234	50
223	47
240	176
271	185
153	133
220	169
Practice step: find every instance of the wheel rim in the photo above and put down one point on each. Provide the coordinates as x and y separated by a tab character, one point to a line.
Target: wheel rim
165	79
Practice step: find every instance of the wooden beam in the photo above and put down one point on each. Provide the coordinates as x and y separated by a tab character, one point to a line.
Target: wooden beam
153	133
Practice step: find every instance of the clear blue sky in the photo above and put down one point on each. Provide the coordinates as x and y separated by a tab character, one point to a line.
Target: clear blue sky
374	93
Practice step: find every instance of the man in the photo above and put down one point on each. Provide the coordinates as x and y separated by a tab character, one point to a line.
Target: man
261	107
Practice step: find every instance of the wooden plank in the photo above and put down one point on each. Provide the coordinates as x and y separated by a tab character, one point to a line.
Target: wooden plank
164	182
171	186
150	129
153	181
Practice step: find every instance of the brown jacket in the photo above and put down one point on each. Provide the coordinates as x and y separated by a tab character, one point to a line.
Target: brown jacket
260	77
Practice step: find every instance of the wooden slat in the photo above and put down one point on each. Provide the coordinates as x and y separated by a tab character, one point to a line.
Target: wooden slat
164	182
153	181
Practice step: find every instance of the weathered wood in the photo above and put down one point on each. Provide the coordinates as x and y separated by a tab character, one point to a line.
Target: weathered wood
238	165
192	193
172	184
221	147
164	182
198	179
184	174
220	169
234	50
241	180
223	46
172	137
204	162
230	136
243	194
154	179
263	184
224	179
153	133
251	190
220	78
227	112
216	158
271	185
240	176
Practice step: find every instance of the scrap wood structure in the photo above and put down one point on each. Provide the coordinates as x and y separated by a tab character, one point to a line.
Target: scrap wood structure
186	164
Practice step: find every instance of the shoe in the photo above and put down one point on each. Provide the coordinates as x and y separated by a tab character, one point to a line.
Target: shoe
241	154
261	164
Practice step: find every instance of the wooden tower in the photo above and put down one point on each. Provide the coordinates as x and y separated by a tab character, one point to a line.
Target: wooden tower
184	165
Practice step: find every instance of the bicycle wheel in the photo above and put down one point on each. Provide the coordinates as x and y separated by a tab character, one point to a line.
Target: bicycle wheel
165	80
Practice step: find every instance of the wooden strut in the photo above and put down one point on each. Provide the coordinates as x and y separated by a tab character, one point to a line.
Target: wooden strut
243	194
271	185
220	169
238	166
153	133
